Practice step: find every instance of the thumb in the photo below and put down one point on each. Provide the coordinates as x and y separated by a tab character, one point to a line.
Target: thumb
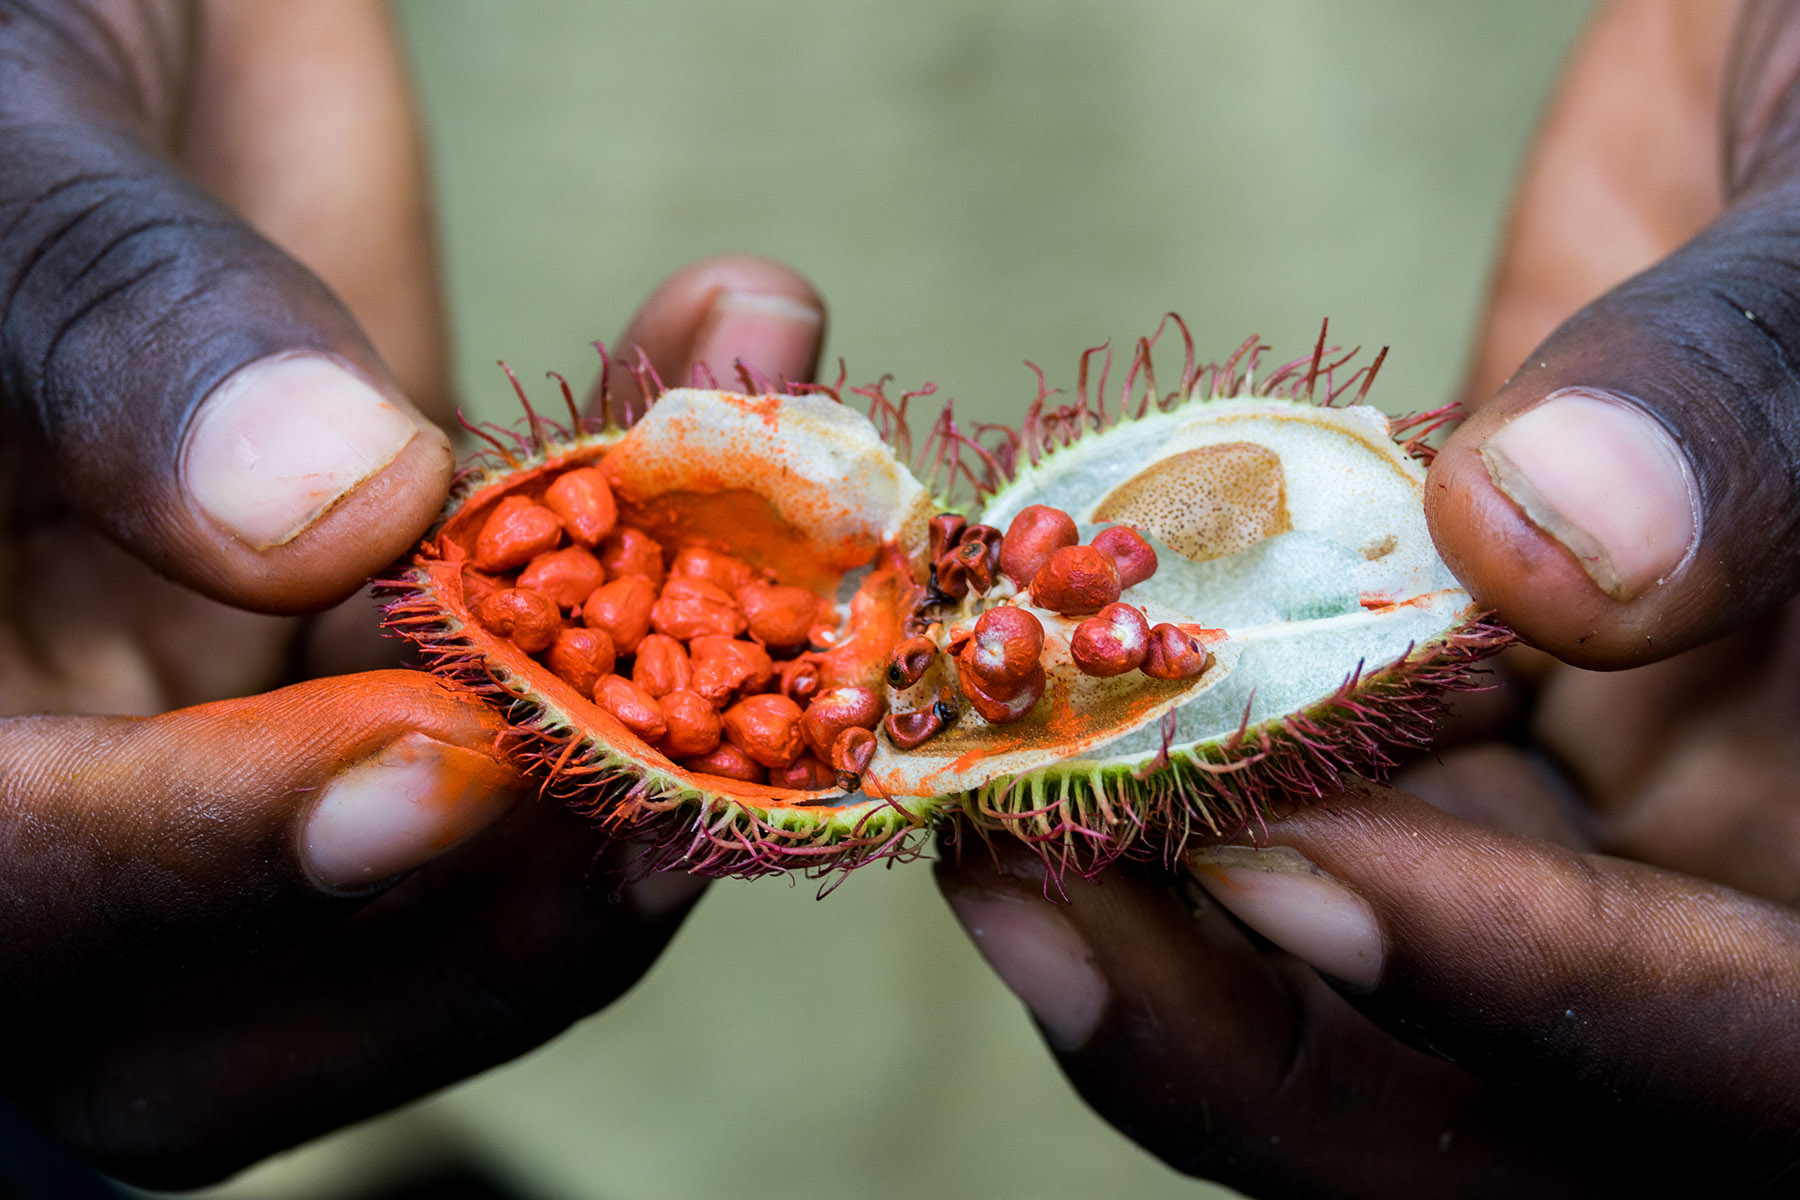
133	846
191	389
1632	490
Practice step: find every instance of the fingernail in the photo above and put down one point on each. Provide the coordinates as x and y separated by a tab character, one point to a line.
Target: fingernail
398	809
777	334
1041	957
1284	896
1606	479
282	439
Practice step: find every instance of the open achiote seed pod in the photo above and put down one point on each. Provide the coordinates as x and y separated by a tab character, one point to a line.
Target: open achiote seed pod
746	632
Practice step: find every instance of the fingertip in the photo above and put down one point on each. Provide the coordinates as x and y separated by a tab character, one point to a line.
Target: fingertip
1568	517
1034	946
395	810
302	478
719	311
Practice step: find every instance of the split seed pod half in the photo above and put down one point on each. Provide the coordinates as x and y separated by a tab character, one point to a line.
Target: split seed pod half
1289	546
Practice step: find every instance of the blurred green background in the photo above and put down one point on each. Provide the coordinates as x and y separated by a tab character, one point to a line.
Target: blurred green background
970	183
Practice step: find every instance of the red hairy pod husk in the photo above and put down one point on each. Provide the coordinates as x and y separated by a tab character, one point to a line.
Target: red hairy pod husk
743	633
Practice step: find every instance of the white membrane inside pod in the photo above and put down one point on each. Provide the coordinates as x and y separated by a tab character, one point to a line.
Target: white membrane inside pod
1286	666
1352	587
821	464
1353	497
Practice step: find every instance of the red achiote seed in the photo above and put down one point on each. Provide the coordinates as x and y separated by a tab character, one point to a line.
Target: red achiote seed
725	665
694	726
977	566
910	730
951	577
622	609
1002	706
1174	653
690	607
662	666
778	615
580	656
629	551
636	709
945	530
1111	642
767	728
729	762
851	752
1131	554
1076	580
568	576
1034	535
583	500
529	619
798	679
1005	647
909	661
836	709
716	568
804	774
517	531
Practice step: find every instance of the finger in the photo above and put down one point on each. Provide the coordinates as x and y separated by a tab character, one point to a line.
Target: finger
142	846
715	313
1623	169
481	956
1503	787
334	175
1231	1060
193	390
1631	491
1660	1002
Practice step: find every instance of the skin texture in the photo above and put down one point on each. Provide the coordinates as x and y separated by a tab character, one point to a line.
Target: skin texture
1565	963
191	187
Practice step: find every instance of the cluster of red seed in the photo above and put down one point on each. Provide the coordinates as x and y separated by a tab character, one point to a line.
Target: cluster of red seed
999	671
701	656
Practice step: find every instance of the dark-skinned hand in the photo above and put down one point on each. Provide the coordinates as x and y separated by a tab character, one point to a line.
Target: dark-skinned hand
1568	963
236	925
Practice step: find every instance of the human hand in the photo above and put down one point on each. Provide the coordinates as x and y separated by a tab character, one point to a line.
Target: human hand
1574	971
221	364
